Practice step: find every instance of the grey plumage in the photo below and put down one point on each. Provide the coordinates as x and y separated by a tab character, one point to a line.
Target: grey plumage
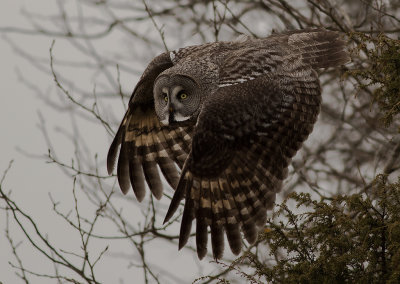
230	115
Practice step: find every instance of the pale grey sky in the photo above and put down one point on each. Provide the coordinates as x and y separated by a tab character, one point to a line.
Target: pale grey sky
31	179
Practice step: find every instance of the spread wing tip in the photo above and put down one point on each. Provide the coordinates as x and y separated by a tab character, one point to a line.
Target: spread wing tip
112	154
178	196
186	224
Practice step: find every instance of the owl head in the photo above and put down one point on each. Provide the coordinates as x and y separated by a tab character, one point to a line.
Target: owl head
176	98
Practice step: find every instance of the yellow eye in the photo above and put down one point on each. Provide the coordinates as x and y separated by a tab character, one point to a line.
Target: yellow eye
183	96
165	98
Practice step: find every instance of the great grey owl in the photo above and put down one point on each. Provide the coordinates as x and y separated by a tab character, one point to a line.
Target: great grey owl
230	115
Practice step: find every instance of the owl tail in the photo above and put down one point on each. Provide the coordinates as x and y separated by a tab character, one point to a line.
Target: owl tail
319	47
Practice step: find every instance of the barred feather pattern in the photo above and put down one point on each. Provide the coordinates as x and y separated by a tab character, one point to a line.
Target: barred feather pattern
252	58
237	198
146	144
318	48
259	101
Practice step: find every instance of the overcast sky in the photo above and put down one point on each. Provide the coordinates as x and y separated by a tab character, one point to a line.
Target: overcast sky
31	179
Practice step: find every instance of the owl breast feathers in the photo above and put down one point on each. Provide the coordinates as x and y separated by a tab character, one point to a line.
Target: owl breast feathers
222	121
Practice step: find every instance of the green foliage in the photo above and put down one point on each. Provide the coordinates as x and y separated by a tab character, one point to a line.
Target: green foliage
353	238
382	69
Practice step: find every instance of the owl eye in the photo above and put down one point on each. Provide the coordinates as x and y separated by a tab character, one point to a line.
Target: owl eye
182	95
165	96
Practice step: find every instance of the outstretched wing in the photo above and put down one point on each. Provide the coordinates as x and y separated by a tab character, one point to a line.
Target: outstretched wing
247	133
283	53
145	143
243	142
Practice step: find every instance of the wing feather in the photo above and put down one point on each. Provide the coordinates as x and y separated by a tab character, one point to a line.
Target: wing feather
136	176
123	169
203	218
146	145
234	160
191	206
218	220
233	172
232	223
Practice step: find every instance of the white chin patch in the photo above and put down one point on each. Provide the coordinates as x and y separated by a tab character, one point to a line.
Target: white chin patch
164	121
179	117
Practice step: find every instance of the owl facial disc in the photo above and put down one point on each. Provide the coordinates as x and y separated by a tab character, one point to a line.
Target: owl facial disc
176	99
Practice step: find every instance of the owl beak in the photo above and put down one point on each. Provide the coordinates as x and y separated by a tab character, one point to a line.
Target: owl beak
171	118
